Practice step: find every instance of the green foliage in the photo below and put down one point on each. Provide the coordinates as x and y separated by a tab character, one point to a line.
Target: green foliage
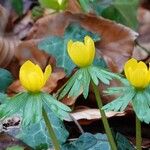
5	79
97	73
81	81
122	11
53	4
3	98
31	105
37	136
123	143
15	148
140	99
141	105
12	106
122	101
37	12
99	61
18	6
88	141
60	110
57	46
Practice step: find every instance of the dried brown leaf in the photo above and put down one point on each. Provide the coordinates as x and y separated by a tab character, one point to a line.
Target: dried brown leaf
14	88
24	25
7	50
116	45
73	6
69	101
92	114
4	19
7	141
27	50
144	35
52	82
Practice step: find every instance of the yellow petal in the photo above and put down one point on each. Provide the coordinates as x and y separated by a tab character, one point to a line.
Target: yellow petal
32	77
89	43
141	75
78	54
82	54
129	67
139	78
141	65
23	80
47	73
69	45
40	75
148	74
137	73
25	68
34	81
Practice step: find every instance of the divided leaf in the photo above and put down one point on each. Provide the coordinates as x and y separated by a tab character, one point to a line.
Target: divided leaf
141	106
122	101
80	81
60	110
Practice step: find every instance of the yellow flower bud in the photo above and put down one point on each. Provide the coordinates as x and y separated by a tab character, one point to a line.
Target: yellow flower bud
32	77
137	73
82	54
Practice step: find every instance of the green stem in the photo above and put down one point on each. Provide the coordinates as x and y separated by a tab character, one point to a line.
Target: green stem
104	118
138	134
50	130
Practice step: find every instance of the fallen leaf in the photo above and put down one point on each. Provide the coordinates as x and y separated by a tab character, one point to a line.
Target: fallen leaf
73	6
141	54
27	50
4	19
52	82
144	35
92	114
116	45
24	26
14	88
7	50
7	141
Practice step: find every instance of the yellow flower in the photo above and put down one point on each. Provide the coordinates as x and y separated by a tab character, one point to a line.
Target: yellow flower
82	54
137	73
32	77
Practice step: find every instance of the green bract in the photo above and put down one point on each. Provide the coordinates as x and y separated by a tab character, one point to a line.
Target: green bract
30	106
80	81
140	100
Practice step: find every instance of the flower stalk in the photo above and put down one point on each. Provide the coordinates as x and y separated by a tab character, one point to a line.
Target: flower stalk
138	134
104	118
50	130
